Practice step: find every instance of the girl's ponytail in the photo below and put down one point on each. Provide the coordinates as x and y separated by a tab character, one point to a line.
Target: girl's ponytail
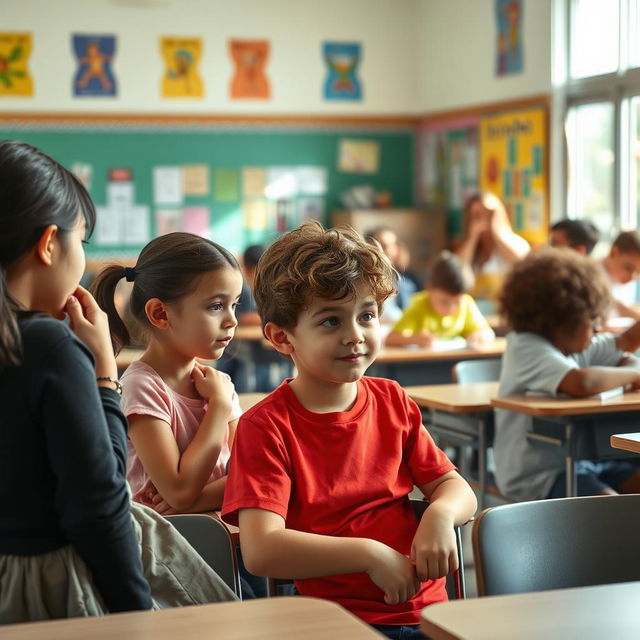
10	342
103	289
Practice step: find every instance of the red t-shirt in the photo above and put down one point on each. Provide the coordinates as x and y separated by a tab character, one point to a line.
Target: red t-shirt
340	474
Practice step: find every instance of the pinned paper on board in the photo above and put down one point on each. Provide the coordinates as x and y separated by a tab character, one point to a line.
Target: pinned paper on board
358	156
509	37
195	180
84	172
226	185
312	181
282	182
310	209
342	59
255	215
168	221
108	226
254	182
167	185
249	78
94	55
15	79
122	221
181	77
137	226
196	220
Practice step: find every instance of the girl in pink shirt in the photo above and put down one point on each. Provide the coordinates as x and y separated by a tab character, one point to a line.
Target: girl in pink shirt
182	414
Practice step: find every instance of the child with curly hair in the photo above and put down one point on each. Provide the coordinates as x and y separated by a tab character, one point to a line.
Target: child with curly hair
553	301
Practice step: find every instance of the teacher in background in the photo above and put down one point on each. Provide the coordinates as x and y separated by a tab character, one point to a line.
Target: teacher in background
489	245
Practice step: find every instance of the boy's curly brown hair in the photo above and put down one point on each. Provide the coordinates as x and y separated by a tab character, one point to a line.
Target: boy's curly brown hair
311	262
552	288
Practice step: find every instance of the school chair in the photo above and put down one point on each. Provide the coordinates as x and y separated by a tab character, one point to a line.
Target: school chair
455	584
212	540
557	544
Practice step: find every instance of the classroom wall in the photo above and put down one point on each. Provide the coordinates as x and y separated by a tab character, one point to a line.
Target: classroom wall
456	54
387	30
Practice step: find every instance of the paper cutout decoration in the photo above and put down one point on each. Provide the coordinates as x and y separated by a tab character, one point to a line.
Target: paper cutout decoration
254	182
15	79
181	78
342	60
508	34
249	78
94	55
358	156
195	179
226	188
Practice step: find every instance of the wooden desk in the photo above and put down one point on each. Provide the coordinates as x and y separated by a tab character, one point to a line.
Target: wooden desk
285	618
587	613
626	442
410	365
247	400
471	416
569	411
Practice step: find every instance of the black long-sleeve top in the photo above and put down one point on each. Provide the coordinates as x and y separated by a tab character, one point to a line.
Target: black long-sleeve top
63	452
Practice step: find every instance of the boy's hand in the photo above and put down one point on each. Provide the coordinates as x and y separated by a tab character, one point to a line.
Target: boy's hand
214	386
433	550
424	339
394	574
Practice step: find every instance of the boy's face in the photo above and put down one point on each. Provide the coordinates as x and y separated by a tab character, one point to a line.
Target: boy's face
335	341
574	339
623	267
443	302
558	239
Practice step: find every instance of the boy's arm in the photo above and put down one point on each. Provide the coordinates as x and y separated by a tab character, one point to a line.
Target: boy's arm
580	383
210	499
404	338
270	549
451	503
629	340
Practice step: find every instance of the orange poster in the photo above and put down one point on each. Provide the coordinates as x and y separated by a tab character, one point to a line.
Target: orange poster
250	59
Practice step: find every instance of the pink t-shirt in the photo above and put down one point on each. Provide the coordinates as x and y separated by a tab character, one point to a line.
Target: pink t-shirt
144	392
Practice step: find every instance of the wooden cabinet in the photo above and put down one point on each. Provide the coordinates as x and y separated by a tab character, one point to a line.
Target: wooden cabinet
423	231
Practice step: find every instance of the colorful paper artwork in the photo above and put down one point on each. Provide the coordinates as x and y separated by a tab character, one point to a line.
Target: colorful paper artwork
509	37
226	185
513	146
181	78
94	55
342	59
358	156
195	179
249	78
15	79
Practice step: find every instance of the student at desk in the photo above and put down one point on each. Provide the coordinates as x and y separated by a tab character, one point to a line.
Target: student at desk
444	310
552	300
322	468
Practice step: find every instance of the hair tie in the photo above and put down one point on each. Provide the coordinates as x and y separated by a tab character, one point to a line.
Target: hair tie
130	274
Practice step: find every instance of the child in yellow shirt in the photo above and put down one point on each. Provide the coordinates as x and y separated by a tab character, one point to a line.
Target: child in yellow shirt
444	310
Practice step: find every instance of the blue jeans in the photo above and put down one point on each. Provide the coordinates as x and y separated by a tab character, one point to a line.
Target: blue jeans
592	477
400	632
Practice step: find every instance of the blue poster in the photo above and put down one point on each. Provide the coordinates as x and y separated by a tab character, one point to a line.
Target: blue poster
94	55
509	37
342	60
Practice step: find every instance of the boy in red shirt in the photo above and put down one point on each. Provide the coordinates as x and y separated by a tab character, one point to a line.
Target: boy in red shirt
321	469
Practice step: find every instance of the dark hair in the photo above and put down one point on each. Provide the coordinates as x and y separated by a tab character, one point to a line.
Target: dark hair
580	233
35	192
251	255
449	273
311	261
551	288
167	269
627	242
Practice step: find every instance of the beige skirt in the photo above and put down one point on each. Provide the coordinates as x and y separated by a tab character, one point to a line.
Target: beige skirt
58	584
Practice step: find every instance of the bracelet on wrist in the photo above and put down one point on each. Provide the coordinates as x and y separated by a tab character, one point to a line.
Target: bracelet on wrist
116	383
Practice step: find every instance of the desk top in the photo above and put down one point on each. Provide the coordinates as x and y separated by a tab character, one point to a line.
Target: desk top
283	618
411	354
546	406
588	613
626	441
455	398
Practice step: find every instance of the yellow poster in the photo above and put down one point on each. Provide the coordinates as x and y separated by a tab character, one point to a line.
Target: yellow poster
513	156
181	78
15	79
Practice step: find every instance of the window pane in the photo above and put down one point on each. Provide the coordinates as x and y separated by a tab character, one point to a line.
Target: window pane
594	37
635	161
591	164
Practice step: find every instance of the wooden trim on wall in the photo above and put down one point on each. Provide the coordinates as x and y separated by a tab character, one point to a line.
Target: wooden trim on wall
543	100
168	120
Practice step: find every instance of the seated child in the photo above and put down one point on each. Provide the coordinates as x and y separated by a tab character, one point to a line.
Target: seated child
444	310
580	235
322	468
552	300
622	265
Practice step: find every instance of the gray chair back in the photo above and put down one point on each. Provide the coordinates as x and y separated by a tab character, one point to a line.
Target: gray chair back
468	371
213	542
557	544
